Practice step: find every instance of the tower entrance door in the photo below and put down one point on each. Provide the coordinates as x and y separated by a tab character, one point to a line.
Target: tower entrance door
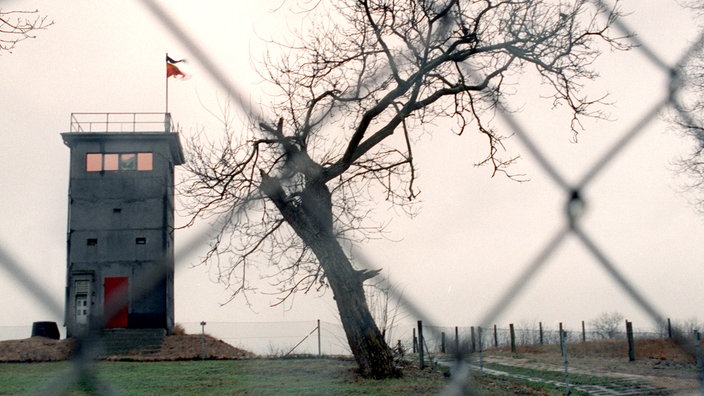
116	301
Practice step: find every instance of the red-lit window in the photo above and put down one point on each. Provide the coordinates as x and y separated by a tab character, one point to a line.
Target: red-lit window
96	162
144	161
110	162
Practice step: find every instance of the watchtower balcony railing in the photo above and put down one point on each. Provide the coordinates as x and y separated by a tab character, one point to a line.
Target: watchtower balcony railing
122	122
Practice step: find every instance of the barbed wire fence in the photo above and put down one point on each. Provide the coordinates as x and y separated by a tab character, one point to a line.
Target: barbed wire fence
574	203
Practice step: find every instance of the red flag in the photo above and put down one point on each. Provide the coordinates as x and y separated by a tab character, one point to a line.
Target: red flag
173	71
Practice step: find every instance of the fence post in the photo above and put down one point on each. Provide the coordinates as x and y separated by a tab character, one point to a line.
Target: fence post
457	341
421	362
669	329
563	348
480	333
496	338
202	340
442	342
584	333
481	349
540	330
700	363
415	342
631	346
473	345
320	352
513	338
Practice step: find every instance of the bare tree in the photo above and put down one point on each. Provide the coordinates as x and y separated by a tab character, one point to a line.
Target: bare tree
689	112
356	89
607	324
386	305
16	26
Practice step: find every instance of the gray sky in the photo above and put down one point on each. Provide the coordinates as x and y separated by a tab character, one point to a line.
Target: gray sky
474	235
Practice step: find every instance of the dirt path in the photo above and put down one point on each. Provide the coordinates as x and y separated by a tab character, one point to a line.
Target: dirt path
628	387
619	378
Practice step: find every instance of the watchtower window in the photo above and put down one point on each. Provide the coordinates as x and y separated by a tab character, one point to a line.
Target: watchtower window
128	161
110	162
140	241
92	241
96	162
144	161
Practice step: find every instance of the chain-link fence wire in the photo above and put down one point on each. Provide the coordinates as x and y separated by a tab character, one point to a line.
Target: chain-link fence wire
89	348
267	339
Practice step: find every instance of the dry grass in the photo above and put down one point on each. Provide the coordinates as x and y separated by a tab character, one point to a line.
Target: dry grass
178	330
174	347
659	349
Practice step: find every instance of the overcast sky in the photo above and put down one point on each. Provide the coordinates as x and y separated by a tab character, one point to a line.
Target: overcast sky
475	234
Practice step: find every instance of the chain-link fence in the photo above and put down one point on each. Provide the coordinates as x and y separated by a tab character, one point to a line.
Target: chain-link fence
574	194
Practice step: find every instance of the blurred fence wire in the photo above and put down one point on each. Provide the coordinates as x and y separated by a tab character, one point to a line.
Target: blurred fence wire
574	200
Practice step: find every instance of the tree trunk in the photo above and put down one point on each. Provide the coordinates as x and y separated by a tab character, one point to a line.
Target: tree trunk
311	219
373	355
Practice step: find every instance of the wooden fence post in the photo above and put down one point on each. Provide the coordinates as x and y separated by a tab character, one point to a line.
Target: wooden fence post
479	335
457	341
563	347
320	351
496	338
540	329
415	342
631	346
473	345
698	353
669	329
442	342
421	342
584	333
513	338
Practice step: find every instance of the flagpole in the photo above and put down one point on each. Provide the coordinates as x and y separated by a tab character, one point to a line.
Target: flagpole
167	87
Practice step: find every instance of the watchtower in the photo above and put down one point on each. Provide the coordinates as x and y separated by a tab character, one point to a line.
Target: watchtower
120	242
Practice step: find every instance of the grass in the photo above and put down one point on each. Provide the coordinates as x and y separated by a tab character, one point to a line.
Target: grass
303	375
210	377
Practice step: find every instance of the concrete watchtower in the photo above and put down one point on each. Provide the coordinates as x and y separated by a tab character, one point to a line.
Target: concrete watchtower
120	242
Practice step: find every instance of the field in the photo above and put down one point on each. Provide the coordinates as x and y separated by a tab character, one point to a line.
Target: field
214	377
300	376
594	368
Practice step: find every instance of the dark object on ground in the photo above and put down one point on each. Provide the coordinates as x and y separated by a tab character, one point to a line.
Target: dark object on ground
45	329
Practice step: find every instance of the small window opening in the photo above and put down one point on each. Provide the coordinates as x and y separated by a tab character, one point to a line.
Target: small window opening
110	162
82	287
92	241
141	241
117	210
128	161
144	161
94	162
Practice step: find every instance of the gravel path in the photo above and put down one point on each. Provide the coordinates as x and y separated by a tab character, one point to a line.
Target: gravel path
618	387
615	383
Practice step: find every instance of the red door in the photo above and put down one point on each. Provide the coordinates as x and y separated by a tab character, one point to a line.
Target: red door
116	301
